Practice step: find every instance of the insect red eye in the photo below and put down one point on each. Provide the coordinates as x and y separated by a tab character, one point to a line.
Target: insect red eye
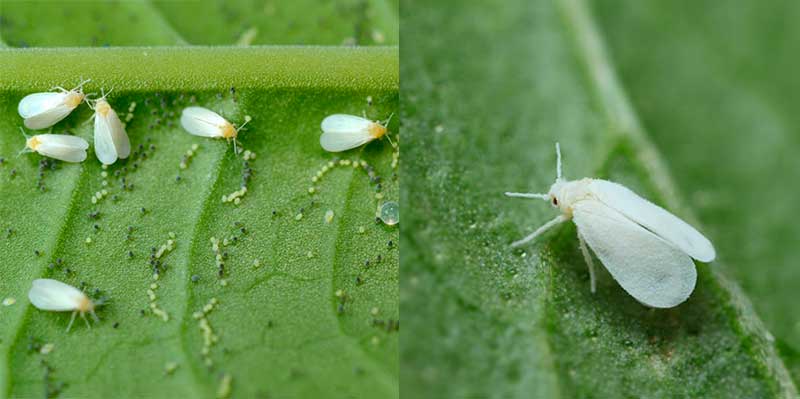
555	201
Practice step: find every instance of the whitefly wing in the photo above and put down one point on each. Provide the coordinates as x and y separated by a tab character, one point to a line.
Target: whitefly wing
64	147
650	269
42	110
654	218
203	122
47	294
342	132
36	103
103	140
64	140
118	135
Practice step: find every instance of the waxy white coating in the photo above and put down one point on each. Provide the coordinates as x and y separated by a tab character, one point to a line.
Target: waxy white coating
646	249
110	139
55	296
342	132
58	146
42	110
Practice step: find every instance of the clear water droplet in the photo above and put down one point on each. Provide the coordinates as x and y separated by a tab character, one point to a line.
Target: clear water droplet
390	213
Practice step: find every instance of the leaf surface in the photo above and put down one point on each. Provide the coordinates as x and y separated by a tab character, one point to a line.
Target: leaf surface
485	320
299	313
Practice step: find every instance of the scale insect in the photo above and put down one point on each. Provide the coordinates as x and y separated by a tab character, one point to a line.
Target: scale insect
59	146
110	139
42	110
342	132
204	122
646	249
55	296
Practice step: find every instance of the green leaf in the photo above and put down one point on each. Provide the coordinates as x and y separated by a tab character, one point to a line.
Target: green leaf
281	331
741	102
481	119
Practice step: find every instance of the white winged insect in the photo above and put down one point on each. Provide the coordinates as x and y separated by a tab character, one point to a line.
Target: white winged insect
59	146
646	249
204	122
342	132
110	139
42	110
55	296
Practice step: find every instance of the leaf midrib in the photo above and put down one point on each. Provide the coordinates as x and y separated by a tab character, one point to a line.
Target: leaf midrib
188	288
385	378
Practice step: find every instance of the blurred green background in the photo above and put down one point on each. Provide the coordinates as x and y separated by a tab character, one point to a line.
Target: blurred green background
692	104
198	22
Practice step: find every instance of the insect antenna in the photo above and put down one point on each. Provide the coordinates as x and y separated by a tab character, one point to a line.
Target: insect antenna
247	120
558	162
104	94
24	150
88	98
389	119
82	82
386	125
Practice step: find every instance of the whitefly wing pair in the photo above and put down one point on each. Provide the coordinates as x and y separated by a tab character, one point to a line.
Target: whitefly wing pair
111	142
55	296
341	132
646	249
42	110
59	146
204	122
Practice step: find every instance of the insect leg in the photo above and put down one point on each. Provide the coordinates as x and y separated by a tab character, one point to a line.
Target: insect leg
528	195
558	219
83	316
72	320
588	257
